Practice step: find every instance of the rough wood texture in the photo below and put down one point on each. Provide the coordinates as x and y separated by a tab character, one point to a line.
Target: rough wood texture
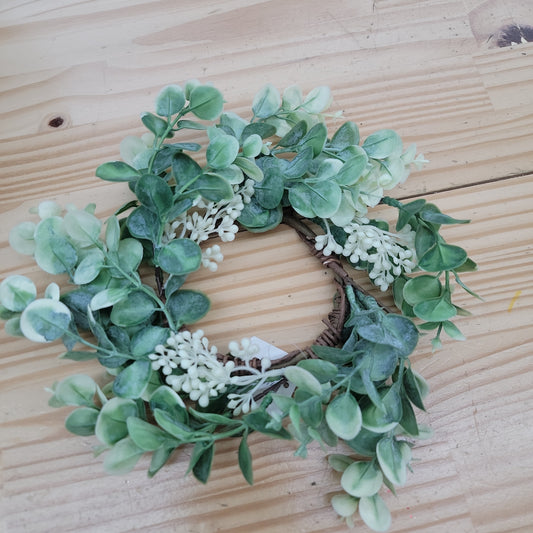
430	69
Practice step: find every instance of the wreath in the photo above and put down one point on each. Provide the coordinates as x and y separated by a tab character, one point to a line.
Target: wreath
167	386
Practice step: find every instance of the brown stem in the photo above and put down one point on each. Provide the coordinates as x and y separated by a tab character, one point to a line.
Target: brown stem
160	283
332	335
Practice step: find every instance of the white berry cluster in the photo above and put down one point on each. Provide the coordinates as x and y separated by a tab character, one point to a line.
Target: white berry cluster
389	253
190	365
212	219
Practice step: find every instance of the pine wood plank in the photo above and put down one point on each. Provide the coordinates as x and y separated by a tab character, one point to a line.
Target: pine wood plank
479	457
438	94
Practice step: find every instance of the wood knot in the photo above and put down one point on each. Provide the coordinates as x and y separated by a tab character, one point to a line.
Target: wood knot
56	122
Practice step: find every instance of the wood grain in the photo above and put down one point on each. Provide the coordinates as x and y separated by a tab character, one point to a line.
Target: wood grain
423	67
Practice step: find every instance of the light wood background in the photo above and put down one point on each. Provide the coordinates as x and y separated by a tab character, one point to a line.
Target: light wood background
432	70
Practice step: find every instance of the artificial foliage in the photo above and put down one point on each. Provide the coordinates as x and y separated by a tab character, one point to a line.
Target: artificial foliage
167	386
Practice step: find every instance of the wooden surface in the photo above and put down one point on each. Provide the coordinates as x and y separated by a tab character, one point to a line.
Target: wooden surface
432	70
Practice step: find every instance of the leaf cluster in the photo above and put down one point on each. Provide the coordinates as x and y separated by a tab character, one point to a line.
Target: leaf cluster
365	394
428	296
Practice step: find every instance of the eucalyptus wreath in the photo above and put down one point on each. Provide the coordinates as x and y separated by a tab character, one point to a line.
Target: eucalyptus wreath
166	386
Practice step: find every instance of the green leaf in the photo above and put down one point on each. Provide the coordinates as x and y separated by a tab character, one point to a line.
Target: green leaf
266	102
436	309
144	224
339	462
179	257
300	164
324	432
232	124
408	423
108	297
21	238
393	457
156	125
320	199
82	421
383	144
362	479
159	458
155	194
16	292
415	387
129	257
168	401
315	138
144	341
269	192
303	379
380	359
147	436
436	217
55	255
385	418
324	371
292	98
133	380
311	411
256	218
89	267
78	389
74	355
111	425
202	467
206	102
317	100
249	168
173	284
117	171
344	504
407	211
425	239
222	151
467	266
170	101
213	187
245	461
375	513
295	135
396	331
187	306
184	169
213	418
252	145
421	288
343	416
346	135
112	233
84	228
262	422
258	128
191	125
336	356
365	442
442	257
135	309
123	457
45	320
352	169
453	331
